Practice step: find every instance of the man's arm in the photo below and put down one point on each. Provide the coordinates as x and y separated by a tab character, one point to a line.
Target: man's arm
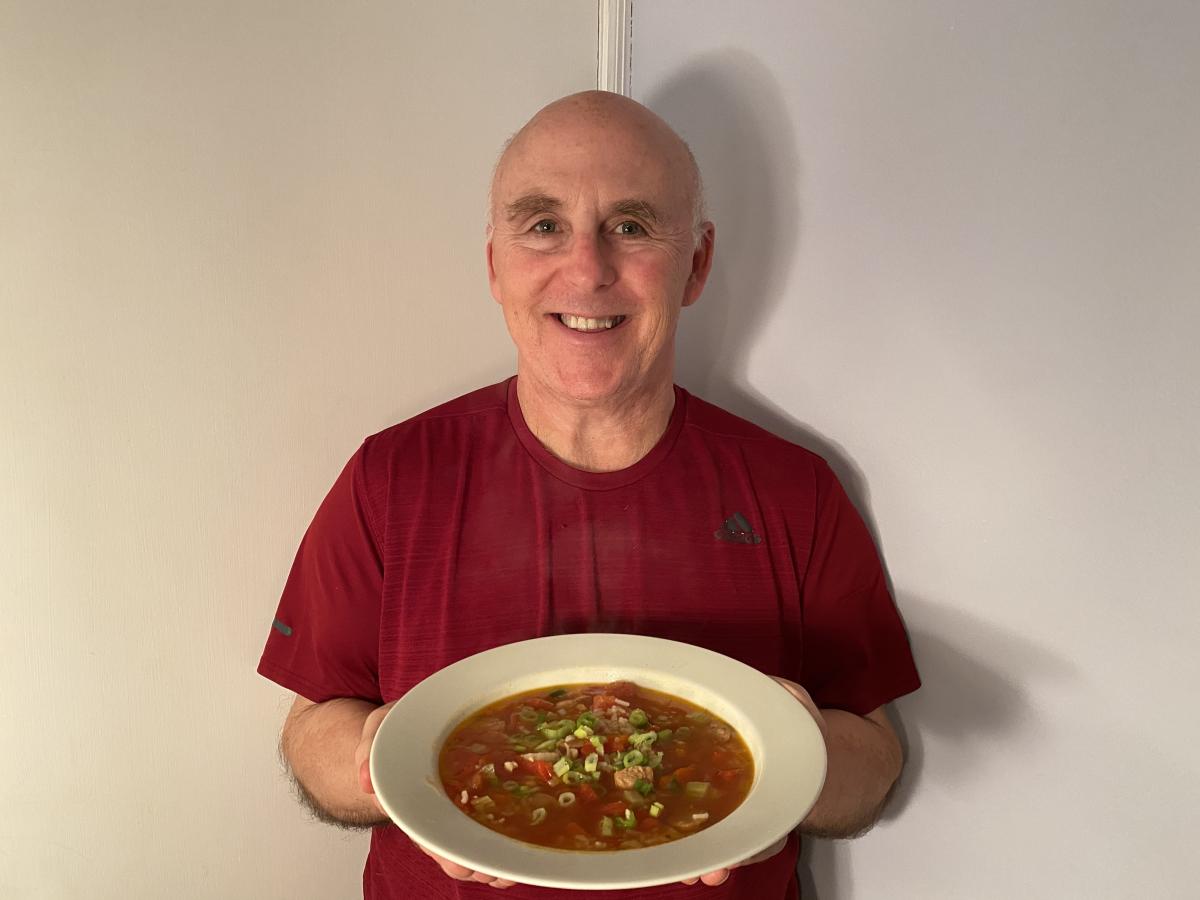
865	759
320	744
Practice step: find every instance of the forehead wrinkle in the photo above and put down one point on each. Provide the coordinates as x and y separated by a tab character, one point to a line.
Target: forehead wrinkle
632	206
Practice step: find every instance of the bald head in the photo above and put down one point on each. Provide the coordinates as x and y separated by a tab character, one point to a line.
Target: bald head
597	119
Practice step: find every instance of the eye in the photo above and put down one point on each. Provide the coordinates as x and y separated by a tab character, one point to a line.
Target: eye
630	228
545	226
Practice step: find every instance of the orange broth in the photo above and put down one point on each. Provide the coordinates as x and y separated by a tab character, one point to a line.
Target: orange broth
596	767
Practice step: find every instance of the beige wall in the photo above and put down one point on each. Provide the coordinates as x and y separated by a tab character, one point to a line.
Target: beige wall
235	238
958	253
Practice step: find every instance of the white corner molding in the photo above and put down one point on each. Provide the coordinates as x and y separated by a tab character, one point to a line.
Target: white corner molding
614	51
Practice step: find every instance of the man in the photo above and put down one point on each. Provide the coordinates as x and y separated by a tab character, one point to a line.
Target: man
583	495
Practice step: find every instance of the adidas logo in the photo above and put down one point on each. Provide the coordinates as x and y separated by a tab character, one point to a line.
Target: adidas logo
737	530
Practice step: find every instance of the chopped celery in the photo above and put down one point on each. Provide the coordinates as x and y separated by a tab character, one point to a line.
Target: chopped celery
606	826
632	758
583	731
696	790
598	742
655	808
637	718
562	767
591	762
545	745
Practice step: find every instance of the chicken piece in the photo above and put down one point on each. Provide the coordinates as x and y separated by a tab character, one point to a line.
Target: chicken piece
627	778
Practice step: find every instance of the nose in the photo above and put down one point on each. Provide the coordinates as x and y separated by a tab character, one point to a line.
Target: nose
588	264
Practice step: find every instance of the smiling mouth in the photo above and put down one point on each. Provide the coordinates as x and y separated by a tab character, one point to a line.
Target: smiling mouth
585	324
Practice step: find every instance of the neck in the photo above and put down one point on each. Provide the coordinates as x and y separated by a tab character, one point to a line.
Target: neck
597	437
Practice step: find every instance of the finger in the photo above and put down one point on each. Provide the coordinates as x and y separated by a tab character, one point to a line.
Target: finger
364	777
690	880
502	884
712	879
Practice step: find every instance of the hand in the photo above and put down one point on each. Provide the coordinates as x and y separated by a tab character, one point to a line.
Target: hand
362	753
807	701
362	759
721	875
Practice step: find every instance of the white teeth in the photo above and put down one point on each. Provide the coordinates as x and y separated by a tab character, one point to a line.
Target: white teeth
580	323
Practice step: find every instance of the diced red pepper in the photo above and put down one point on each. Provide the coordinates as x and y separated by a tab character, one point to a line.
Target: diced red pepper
648	824
586	792
726	774
614	809
620	742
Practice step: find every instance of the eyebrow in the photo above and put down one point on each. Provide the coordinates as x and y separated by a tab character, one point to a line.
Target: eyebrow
535	203
531	204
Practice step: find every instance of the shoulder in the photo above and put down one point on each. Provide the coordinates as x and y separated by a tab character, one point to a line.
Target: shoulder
436	431
721	429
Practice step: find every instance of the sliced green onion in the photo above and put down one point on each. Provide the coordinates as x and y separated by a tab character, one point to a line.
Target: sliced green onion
632	758
696	790
538	816
682	734
562	767
546	745
591	762
655	808
628	821
643	787
637	718
583	731
665	734
597	742
654	760
574	778
606	826
643	740
566	798
586	720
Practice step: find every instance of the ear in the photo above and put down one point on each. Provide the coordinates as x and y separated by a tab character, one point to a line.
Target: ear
702	260
491	267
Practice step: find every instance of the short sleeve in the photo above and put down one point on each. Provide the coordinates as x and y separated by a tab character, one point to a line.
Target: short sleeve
324	642
856	651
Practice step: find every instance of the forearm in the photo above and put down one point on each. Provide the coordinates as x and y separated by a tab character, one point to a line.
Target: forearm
865	759
319	741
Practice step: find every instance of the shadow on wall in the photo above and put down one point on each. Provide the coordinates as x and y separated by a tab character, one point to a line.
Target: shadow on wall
729	108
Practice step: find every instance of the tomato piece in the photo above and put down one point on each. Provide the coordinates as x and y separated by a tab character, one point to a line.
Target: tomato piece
625	690
586	792
648	824
603	701
620	742
614	809
726	775
573	828
539	768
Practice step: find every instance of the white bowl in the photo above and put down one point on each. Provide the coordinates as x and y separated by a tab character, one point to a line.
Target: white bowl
789	757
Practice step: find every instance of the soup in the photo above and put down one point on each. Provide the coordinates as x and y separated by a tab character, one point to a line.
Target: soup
596	767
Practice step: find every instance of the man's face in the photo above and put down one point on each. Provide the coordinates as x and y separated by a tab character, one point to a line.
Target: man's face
592	253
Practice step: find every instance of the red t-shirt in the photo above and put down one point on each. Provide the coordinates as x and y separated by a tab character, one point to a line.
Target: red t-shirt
457	531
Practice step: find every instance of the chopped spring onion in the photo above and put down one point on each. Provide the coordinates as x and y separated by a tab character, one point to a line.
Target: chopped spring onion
643	787
696	790
682	734
637	718
574	777
546	745
598	742
665	734
583	731
628	820
591	762
632	758
655	808
654	760
606	826
562	767
528	714
643	740
538	816
566	798
586	720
